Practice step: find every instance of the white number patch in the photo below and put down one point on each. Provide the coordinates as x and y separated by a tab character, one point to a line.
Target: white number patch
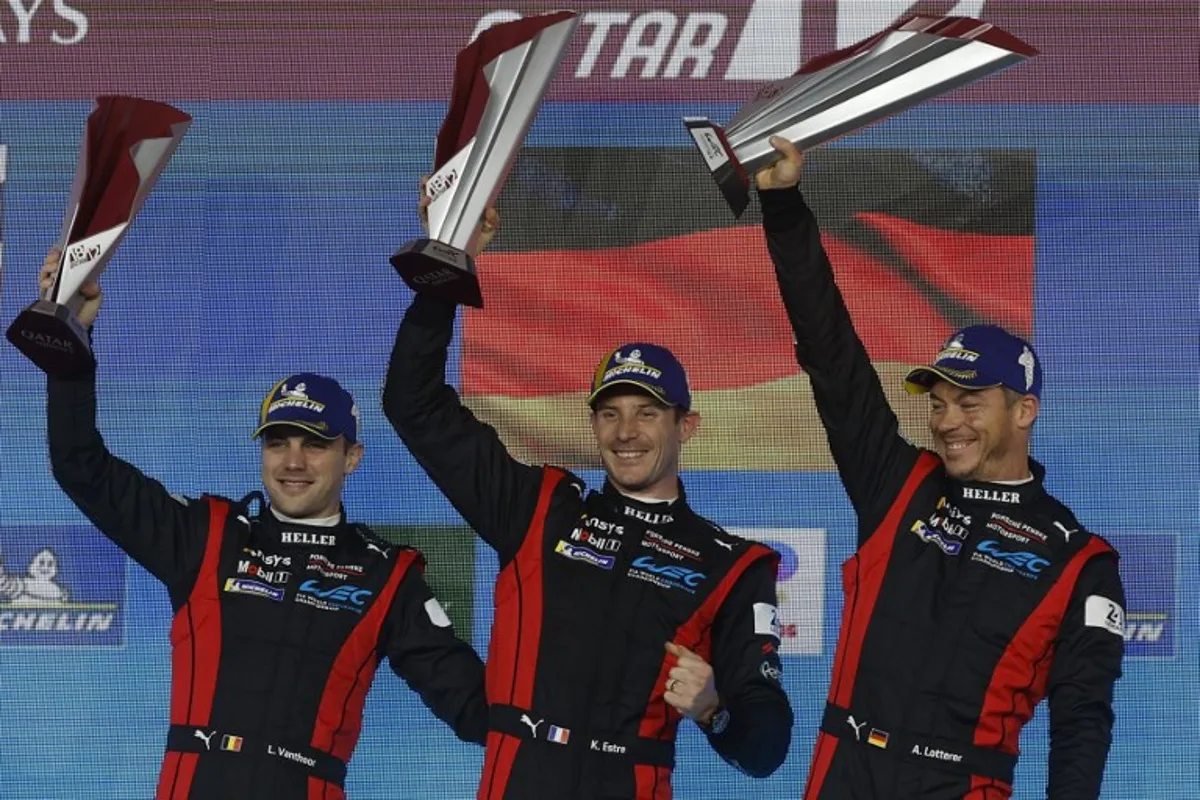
766	620
1100	612
436	614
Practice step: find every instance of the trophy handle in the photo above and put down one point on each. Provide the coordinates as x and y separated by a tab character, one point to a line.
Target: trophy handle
726	170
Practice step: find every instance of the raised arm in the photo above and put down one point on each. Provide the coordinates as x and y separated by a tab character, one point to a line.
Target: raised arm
495	493
864	434
423	650
162	532
1087	662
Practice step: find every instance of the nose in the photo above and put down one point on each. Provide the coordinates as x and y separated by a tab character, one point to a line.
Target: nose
295	456
627	428
947	419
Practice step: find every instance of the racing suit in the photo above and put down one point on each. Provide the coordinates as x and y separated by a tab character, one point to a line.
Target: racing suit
591	586
278	626
965	603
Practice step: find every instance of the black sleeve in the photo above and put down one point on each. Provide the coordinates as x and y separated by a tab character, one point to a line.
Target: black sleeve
864	434
495	493
747	673
1087	662
164	533
445	671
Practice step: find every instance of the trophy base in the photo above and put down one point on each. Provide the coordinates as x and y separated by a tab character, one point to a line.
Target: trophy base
432	267
50	336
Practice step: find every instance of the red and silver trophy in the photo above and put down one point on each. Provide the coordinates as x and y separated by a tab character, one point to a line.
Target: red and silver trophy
126	145
834	94
499	82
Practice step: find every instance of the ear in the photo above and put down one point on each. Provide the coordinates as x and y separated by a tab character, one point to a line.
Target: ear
688	425
354	454
1027	411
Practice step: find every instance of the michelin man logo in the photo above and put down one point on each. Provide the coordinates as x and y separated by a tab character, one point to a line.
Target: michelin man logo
1026	361
634	357
60	588
300	392
955	343
37	587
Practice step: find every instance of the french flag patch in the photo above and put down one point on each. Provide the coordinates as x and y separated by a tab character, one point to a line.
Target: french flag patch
558	735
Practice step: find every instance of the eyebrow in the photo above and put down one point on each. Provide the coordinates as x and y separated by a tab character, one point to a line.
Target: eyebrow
956	395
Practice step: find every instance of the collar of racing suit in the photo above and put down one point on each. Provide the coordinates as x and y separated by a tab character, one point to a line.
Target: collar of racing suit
294	532
652	513
1002	494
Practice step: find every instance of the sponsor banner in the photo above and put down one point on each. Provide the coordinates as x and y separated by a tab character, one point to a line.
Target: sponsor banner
800	584
657	50
1148	573
60	587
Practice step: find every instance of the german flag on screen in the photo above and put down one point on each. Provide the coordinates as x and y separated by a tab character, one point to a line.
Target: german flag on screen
603	246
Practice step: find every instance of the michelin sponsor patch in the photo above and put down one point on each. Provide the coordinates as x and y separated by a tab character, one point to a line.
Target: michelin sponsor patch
60	586
579	553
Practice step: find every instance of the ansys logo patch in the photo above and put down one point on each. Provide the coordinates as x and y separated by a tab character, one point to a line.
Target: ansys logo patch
60	587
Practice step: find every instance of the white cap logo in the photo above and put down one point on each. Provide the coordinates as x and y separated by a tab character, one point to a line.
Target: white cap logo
634	357
1026	361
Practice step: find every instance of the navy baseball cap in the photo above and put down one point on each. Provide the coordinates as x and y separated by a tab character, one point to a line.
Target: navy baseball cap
980	357
647	367
313	402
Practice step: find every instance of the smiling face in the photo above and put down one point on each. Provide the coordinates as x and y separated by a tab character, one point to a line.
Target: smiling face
44	566
982	434
303	473
640	439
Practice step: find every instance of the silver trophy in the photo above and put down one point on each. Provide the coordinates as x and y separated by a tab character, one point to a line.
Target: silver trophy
834	94
499	82
126	145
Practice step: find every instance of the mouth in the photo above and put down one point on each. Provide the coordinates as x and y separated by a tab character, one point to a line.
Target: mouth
629	456
957	446
294	485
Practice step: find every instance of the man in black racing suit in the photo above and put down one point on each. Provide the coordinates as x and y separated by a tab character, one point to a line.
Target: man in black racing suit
617	613
280	618
973	593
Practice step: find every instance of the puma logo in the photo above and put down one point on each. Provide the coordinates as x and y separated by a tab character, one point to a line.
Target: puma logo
1066	533
377	549
727	545
533	726
857	728
199	734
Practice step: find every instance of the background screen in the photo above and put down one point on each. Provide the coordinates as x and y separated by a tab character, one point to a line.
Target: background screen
1058	198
